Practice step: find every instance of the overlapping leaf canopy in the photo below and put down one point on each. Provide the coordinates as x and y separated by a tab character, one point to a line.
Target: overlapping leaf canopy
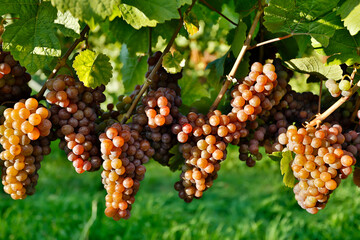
33	34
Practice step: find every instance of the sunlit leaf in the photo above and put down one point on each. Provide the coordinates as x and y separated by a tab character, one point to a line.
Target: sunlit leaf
93	69
173	62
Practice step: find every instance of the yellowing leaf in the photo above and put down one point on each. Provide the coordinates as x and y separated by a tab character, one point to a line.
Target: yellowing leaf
288	179
136	18
173	63
275	156
191	23
93	69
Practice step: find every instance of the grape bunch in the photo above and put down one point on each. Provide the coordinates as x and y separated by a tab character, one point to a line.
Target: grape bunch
250	97
202	155
75	109
319	163
161	107
13	79
249	149
154	117
336	89
24	139
352	143
159	110
124	152
190	126
256	135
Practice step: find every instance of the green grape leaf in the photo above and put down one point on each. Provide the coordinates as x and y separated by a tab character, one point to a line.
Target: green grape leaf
244	5
177	160
90	11
239	38
308	17
342	48
67	24
133	69
165	30
210	17
350	14
313	66
217	65
191	86
275	156
201	105
116	13
243	69
25	8
159	10
32	39
182	2
288	179
288	48
173	62
135	40
303	43
93	69
136	18
312	79
191	23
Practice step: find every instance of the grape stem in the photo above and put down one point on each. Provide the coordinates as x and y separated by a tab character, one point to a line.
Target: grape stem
241	55
217	11
321	117
62	60
274	40
320	93
157	66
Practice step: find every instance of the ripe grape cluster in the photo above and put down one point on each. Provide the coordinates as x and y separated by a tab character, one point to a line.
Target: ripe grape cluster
124	152
161	107
24	138
319	163
203	153
13	79
352	143
190	126
74	111
338	88
264	134
159	110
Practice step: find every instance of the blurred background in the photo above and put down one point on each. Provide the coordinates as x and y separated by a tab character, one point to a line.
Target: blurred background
244	203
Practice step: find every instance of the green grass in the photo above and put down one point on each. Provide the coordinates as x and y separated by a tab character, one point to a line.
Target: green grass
244	203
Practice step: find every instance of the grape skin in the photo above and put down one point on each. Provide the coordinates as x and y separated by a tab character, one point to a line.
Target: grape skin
73	115
327	165
24	146
121	146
